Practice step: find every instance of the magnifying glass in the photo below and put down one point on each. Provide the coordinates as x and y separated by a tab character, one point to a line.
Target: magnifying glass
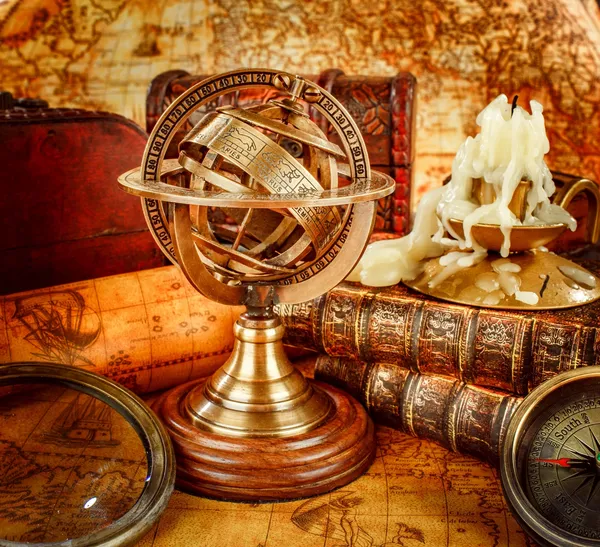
83	461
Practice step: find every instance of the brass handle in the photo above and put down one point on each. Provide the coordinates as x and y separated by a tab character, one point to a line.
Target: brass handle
567	187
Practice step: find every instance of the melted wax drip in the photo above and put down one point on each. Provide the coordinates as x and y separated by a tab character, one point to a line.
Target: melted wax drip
509	148
578	277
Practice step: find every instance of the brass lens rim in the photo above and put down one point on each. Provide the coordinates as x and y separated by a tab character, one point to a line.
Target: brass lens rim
135	523
543	530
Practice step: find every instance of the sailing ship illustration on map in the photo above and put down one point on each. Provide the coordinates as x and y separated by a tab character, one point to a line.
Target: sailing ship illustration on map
86	421
336	518
59	325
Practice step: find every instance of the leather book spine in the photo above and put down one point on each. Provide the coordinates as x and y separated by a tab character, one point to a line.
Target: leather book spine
502	350
462	417
556	348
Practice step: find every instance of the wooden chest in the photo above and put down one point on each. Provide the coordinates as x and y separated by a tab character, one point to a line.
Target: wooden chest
64	217
383	107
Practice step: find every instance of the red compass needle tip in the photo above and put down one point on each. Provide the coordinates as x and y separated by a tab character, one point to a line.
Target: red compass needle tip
563	462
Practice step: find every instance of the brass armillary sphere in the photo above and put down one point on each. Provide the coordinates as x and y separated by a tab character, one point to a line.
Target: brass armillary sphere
295	212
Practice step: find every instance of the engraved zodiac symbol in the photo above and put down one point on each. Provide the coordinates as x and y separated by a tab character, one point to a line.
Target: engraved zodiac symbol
330	226
284	169
244	139
59	325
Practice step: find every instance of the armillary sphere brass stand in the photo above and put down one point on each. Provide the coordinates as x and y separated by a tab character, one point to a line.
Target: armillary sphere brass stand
299	210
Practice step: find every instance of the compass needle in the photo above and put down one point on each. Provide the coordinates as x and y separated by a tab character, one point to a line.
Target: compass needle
562	462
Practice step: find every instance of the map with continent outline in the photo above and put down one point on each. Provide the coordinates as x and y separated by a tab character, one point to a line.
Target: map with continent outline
416	493
69	464
102	55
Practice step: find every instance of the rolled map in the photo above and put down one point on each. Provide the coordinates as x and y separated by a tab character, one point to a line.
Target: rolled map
148	330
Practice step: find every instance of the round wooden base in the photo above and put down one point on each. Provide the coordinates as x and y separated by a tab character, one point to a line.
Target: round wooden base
270	469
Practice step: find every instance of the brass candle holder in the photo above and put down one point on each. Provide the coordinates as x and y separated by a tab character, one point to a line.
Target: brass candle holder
301	211
522	238
556	281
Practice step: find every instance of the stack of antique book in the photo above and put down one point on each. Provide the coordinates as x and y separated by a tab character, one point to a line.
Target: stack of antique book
454	374
451	373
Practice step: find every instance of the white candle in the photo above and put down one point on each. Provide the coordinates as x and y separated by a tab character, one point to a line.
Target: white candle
510	147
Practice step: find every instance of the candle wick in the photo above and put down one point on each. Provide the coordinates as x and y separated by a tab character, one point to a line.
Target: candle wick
514	104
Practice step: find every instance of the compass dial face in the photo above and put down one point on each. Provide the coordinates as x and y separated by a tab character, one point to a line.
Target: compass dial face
562	464
551	460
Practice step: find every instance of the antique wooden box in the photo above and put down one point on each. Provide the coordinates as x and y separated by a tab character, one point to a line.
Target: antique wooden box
64	217
382	106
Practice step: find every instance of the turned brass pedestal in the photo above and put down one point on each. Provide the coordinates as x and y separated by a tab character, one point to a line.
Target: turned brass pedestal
258	430
258	392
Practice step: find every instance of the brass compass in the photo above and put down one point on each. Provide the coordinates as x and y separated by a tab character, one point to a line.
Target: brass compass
551	460
261	208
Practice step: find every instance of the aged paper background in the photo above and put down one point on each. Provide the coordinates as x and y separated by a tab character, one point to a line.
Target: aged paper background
147	330
416	493
102	55
70	465
62	453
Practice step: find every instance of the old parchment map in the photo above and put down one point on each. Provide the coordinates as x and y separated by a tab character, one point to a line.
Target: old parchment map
147	330
102	55
69	465
415	494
